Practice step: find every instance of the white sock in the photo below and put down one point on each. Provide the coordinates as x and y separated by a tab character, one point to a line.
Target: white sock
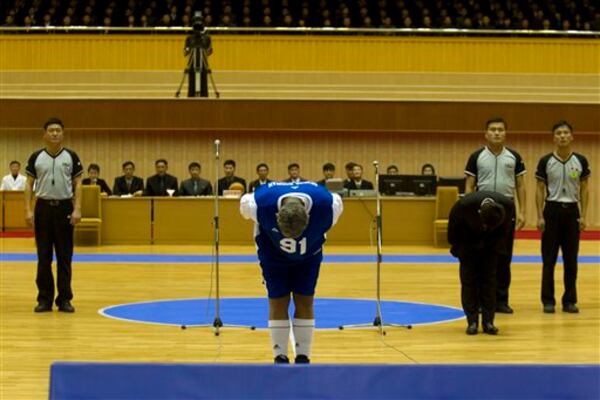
280	336
303	333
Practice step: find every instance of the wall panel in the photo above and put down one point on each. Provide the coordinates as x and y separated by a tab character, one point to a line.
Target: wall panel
305	53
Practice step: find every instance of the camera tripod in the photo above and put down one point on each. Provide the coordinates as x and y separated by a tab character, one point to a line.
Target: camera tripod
197	70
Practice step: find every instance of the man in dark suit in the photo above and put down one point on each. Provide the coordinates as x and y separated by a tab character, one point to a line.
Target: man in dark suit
195	186
128	183
262	170
161	183
328	173
294	173
229	178
357	182
479	233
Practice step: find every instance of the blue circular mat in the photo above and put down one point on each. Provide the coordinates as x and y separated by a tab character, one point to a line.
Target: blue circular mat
330	313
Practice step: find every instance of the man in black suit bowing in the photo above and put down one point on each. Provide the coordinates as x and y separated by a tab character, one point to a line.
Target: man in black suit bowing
128	183
161	183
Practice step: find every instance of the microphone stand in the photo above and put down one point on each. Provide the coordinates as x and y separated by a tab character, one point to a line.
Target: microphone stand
378	320
217	322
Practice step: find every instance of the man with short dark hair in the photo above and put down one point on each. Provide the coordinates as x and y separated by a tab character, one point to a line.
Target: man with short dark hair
56	172
500	169
229	178
357	182
262	170
291	222
349	168
128	184
294	174
161	183
562	202
328	173
195	186
478	231
14	180
392	170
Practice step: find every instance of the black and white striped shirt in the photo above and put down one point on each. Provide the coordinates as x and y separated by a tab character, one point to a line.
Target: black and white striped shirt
562	177
54	174
496	173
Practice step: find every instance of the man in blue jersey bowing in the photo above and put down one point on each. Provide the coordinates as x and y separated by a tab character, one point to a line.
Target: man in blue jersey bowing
291	222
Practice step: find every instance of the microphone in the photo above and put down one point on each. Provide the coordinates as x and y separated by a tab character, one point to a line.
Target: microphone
217	144
376	165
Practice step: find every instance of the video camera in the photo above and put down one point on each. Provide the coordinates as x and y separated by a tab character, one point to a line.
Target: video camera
199	38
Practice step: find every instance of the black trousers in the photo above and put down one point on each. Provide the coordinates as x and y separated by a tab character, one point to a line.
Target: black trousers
503	275
478	285
561	231
53	231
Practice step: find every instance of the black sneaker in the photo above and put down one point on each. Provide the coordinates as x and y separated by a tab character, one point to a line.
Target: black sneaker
570	308
490	329
549	308
281	359
66	307
472	328
43	307
504	309
302	359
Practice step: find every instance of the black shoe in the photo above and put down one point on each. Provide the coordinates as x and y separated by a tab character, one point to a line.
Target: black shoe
302	359
570	308
281	359
472	328
43	307
504	309
66	306
549	308
490	329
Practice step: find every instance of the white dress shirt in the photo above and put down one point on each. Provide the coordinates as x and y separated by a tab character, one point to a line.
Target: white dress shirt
10	183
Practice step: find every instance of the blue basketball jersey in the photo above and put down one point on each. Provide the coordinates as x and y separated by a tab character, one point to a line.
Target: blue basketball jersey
272	245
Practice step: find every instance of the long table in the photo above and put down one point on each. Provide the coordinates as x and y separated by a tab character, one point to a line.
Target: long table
189	220
178	220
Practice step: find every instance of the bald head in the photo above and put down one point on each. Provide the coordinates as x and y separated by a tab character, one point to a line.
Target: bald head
292	217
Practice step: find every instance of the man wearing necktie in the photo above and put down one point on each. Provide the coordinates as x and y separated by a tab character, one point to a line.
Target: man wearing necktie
195	186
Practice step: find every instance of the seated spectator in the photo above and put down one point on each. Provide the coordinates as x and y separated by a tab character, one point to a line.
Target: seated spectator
427	169
294	174
14	180
195	186
93	179
229	178
349	167
161	183
328	173
357	182
128	184
262	170
392	170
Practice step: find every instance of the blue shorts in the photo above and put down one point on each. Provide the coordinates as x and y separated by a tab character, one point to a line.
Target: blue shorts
283	278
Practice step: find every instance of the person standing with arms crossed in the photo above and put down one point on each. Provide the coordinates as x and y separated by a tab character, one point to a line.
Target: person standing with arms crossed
496	168
562	202
57	173
291	220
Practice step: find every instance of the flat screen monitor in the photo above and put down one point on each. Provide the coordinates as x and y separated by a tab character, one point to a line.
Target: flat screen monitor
421	185
392	185
459	182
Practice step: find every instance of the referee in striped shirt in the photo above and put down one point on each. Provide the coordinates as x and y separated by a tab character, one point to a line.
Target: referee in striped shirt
497	168
56	172
562	202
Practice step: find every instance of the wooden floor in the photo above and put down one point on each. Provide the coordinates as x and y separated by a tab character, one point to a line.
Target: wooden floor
30	342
